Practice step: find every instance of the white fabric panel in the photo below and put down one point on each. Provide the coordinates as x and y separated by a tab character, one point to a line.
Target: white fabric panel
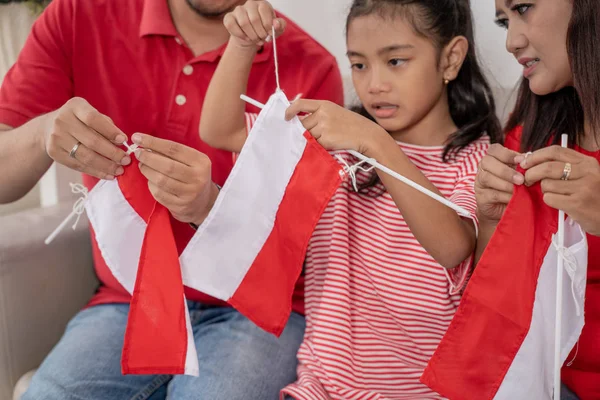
530	376
226	244
119	231
191	356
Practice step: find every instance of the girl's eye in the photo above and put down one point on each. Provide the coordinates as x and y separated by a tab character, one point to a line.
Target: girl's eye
358	66
395	62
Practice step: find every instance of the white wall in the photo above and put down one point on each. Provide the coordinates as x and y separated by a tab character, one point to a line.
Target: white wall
325	19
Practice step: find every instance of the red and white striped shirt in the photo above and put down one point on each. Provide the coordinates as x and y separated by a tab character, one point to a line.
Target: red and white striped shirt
377	304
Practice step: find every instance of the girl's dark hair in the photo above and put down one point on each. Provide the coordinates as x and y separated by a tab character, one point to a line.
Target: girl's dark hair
545	118
472	105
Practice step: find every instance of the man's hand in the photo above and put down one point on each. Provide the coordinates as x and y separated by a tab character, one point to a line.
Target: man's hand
98	153
179	177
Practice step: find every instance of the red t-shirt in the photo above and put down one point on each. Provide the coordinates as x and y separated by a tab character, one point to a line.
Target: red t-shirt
583	375
128	61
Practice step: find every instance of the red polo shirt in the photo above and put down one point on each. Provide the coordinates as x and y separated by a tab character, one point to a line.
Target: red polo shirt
128	61
581	372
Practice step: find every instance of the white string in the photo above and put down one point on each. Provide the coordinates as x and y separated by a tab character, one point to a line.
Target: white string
351	170
130	149
574	355
275	58
412	184
78	209
570	265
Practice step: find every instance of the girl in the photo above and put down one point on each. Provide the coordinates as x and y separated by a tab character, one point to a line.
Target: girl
385	265
555	41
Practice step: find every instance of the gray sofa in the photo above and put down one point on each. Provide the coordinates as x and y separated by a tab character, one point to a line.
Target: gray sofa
41	287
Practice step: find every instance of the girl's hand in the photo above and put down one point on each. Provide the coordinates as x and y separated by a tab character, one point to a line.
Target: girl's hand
575	192
335	127
251	24
494	184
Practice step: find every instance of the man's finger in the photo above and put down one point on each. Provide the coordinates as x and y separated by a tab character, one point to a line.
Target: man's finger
552	153
302	105
98	143
90	117
92	162
168	148
163	181
166	166
172	202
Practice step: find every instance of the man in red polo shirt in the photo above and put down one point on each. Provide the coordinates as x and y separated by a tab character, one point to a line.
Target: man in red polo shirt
92	74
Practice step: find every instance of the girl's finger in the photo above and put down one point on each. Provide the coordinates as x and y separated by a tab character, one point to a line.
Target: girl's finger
243	20
302	105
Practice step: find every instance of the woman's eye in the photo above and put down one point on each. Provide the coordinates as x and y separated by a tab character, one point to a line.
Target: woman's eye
502	23
358	66
521	8
395	62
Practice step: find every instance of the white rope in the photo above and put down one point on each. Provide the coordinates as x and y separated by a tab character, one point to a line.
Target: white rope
559	294
412	184
78	209
570	265
351	170
275	58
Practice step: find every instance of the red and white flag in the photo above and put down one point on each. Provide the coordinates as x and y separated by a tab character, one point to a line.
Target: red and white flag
249	251
500	344
135	238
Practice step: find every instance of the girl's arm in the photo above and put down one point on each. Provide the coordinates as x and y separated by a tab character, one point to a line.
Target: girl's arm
222	122
447	237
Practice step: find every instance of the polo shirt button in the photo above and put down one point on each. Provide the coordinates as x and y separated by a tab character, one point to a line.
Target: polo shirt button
178	40
188	69
180	99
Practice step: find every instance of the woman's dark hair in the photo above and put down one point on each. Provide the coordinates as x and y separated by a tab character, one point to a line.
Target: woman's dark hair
545	118
472	105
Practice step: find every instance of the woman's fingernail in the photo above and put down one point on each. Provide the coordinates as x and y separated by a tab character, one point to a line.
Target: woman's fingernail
136	138
519	159
268	39
119	171
120	139
126	160
518	179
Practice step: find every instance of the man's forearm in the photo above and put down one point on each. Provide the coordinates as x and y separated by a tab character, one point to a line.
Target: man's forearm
23	159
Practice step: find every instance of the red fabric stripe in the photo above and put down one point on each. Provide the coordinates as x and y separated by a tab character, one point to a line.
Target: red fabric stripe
496	309
156	335
134	187
265	294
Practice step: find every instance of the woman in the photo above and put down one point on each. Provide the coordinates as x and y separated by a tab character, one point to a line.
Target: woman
556	42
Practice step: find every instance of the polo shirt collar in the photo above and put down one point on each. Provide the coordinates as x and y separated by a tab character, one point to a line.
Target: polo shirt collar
156	19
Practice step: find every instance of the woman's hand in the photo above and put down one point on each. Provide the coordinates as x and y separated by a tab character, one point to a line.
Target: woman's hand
570	182
251	24
494	184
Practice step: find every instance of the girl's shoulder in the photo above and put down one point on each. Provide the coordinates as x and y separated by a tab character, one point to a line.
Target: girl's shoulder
473	152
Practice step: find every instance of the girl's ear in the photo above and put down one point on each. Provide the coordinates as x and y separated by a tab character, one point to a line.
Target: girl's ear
453	56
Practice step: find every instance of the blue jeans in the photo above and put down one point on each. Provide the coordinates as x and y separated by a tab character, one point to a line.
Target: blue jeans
237	360
567	394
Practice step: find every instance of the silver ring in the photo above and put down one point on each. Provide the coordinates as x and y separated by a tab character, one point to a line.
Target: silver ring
74	150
